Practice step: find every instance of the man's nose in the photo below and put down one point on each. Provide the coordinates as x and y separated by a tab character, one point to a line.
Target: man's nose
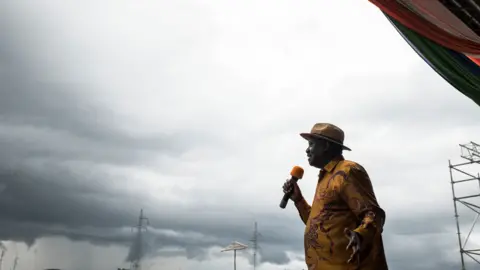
308	150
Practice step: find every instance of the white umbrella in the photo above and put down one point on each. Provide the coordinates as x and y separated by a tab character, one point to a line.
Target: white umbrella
235	246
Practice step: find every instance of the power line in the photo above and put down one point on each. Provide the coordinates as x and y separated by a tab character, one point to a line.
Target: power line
255	246
142	225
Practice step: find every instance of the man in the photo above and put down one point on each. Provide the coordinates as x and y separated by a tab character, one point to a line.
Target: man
344	224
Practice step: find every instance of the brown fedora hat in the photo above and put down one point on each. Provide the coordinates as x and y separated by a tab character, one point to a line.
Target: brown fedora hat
327	132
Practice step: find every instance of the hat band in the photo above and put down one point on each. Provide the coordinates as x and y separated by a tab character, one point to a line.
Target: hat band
328	138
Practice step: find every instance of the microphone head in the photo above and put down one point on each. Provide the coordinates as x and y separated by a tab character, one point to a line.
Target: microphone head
297	172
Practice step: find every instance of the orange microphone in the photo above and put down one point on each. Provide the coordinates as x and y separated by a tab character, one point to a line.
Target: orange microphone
296	173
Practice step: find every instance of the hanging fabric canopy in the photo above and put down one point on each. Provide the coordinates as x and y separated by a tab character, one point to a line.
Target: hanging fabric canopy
445	34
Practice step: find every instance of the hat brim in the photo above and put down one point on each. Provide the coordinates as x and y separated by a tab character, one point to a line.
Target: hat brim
311	136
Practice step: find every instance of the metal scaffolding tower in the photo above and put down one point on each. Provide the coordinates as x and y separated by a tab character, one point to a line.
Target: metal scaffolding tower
470	152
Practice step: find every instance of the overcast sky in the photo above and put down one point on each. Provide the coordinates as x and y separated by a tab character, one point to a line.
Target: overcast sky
191	110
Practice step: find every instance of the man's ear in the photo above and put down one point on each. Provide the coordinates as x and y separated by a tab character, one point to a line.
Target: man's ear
327	146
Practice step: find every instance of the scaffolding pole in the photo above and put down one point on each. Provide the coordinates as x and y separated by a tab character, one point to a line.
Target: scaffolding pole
470	152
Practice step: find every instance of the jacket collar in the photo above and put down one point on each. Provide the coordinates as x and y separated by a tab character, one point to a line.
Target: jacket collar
332	164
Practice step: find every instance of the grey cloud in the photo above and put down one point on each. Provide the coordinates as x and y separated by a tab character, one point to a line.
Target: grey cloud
45	127
425	251
65	123
36	206
84	209
275	253
415	98
48	110
417	103
275	240
436	222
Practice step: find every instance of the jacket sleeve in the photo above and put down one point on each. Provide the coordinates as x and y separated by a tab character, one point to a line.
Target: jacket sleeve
357	191
303	209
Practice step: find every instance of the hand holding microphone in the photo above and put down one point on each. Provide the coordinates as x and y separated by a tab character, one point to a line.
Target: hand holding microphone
290	188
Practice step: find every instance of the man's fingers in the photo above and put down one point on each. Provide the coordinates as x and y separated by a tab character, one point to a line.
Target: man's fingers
358	245
354	254
287	186
350	237
353	244
349	244
357	241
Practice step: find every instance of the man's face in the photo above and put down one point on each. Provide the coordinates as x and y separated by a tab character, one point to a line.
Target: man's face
316	152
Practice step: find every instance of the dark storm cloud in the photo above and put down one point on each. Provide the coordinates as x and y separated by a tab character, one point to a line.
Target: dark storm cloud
44	125
30	110
46	128
59	198
55	109
278	235
52	136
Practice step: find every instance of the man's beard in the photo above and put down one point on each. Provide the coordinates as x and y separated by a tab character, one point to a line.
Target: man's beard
317	162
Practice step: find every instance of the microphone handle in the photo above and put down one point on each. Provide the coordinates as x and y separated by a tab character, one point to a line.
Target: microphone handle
286	196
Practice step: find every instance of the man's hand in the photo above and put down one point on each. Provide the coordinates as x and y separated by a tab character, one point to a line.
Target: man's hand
292	186
355	244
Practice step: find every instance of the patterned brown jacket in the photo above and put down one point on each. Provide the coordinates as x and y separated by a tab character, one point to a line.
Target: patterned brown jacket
344	198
